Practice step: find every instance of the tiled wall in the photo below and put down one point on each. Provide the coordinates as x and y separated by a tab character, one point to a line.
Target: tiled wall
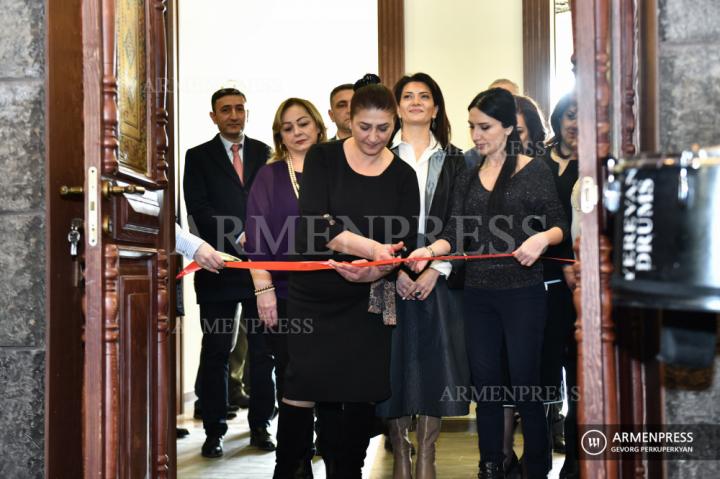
690	113
22	293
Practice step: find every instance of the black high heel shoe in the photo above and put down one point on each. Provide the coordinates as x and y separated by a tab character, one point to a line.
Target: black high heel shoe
491	470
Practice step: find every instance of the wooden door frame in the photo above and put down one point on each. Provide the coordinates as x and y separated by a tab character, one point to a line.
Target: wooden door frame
536	46
537	69
63	166
615	50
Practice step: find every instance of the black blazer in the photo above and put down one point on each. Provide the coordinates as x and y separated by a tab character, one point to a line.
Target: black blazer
449	180
216	204
453	168
441	205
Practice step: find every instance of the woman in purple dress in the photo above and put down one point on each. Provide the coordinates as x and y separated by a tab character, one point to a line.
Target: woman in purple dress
271	217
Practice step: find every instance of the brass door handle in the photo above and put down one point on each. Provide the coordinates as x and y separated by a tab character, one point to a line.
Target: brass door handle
107	190
110	189
71	190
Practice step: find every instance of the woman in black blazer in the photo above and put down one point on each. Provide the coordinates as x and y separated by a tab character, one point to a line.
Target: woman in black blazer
428	362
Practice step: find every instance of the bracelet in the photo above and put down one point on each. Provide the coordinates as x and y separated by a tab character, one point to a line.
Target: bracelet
266	289
432	253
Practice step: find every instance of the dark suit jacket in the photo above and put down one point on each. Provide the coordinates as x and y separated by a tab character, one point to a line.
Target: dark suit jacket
216	203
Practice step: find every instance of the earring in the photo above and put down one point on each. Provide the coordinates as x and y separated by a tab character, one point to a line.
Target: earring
432	124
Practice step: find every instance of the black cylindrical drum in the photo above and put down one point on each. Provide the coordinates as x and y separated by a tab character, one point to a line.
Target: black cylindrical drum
667	232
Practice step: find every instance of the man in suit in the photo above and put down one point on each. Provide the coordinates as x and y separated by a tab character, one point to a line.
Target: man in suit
339	111
217	180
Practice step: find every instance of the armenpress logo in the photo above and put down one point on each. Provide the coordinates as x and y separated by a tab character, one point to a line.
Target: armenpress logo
593	442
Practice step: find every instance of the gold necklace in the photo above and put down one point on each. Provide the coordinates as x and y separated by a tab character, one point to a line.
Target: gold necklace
293	178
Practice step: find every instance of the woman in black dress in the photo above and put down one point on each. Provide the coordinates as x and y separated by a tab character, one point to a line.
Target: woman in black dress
560	281
428	344
358	202
504	298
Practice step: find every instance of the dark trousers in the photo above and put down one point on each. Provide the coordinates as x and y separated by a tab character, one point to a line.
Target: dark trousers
518	316
216	322
263	348
570	424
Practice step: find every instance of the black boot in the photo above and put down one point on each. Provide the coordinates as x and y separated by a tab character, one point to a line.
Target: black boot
356	431
570	469
329	418
294	443
344	437
491	470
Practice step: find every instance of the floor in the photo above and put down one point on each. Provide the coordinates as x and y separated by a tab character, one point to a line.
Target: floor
457	454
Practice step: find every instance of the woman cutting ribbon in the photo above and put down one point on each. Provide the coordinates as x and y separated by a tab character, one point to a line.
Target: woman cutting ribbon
272	217
504	298
348	190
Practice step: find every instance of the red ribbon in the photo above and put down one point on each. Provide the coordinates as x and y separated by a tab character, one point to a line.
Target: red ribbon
325	265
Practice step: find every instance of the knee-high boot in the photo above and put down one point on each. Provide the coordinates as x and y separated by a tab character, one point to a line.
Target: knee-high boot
357	426
330	435
398	433
295	436
428	430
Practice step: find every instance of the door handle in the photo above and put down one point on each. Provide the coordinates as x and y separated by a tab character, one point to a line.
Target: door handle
108	189
71	190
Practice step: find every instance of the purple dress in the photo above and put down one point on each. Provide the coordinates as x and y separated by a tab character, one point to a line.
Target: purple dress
272	214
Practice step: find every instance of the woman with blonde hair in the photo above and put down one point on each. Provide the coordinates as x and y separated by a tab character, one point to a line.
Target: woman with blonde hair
271	218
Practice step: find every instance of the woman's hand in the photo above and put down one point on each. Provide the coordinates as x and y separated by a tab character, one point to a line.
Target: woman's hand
267	308
418	266
425	284
569	274
381	252
405	286
531	249
358	274
208	258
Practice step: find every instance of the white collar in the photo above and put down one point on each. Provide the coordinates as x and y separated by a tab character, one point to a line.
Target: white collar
228	144
397	141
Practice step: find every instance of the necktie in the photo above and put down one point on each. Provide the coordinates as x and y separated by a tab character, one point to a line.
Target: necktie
237	161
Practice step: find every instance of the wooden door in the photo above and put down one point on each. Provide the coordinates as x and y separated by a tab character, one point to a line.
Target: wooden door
617	116
127	233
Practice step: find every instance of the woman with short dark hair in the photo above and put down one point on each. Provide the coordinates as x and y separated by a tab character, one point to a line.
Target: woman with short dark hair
341	361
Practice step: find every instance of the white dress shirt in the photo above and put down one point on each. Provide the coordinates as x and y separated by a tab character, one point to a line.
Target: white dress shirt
186	243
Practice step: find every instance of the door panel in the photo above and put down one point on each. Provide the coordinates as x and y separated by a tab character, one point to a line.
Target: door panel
136	334
126	396
136	218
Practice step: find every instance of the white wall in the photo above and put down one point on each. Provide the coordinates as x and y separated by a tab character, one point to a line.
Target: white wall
270	50
464	48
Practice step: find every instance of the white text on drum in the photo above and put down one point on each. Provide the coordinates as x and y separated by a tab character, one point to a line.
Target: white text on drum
637	226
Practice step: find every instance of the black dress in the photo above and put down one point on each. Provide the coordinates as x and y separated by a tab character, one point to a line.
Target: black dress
559	339
342	353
